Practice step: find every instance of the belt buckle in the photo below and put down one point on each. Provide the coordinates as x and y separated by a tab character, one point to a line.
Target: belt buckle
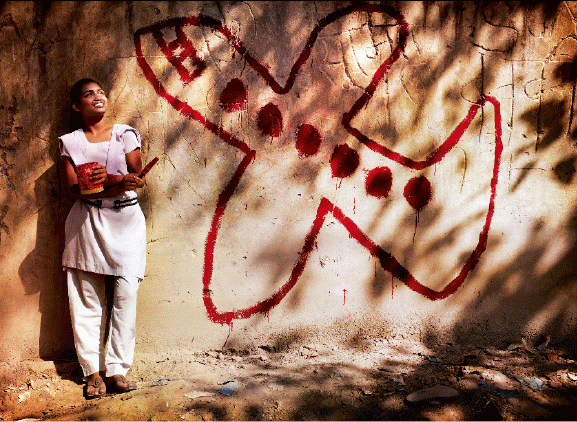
117	205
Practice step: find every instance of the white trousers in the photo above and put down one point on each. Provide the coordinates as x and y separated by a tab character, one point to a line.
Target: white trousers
88	309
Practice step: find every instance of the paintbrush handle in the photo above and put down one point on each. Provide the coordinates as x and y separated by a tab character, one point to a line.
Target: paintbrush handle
147	168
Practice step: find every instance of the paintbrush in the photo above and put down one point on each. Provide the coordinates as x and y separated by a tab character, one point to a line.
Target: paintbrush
147	168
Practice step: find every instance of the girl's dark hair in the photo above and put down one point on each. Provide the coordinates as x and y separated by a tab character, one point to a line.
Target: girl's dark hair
76	89
76	120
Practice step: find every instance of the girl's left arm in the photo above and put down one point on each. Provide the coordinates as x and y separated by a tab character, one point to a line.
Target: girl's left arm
131	181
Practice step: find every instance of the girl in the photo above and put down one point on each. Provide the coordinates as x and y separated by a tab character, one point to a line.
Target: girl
105	237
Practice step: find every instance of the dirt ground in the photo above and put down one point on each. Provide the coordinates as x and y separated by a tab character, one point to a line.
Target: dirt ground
316	382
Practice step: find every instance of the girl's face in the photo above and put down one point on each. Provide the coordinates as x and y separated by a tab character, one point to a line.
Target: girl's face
92	102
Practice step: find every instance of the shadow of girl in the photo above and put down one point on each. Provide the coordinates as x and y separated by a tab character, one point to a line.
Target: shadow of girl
41	271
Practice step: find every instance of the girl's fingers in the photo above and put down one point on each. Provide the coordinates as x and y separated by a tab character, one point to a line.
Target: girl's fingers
98	173
132	181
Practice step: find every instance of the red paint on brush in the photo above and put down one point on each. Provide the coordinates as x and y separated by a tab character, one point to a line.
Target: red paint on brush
147	168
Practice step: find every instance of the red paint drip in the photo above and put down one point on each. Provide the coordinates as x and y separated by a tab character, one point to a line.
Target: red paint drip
344	161
379	182
418	194
344	296
308	140
269	120
233	96
416	224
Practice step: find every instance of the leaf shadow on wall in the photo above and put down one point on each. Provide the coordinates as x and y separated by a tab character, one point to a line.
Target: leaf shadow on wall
531	292
504	297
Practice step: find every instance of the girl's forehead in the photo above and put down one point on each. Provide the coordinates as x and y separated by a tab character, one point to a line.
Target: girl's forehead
90	86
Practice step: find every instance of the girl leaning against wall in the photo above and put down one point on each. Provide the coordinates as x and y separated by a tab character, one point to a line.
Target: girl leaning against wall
105	237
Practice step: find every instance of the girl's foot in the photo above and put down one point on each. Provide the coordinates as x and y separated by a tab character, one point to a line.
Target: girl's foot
95	386
119	384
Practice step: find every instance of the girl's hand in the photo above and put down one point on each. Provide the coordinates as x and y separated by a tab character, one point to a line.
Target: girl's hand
98	174
131	181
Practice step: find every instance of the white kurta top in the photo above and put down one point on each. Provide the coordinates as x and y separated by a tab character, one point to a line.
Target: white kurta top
105	240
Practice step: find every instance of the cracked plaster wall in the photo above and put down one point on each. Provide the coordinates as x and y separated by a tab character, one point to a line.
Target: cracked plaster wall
219	248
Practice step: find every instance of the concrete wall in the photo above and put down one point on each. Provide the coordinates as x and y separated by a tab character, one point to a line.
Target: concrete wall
328	172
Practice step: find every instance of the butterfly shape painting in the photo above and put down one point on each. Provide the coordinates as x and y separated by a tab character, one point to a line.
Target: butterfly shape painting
309	155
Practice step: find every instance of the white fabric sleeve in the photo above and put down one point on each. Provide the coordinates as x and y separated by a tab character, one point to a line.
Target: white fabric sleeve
63	149
131	141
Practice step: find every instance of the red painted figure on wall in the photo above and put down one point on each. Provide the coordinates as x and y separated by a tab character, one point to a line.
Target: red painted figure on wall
343	158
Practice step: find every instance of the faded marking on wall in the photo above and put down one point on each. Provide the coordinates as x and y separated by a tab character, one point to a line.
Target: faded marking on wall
3	226
344	160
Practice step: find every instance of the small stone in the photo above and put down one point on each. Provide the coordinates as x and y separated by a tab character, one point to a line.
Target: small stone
276	387
552	357
433	393
398	379
197	394
47	393
533	383
366	391
23	397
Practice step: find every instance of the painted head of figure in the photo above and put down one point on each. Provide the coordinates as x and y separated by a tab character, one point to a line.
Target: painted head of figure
88	98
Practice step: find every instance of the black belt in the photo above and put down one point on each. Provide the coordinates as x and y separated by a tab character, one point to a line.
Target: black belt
118	203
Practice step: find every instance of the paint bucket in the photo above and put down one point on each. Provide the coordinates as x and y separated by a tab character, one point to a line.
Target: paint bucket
87	186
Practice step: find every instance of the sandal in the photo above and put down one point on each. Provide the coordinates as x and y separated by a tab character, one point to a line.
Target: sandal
114	386
95	383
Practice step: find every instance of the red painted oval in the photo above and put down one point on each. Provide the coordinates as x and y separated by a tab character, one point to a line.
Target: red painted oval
344	161
308	140
379	182
418	192
269	120
233	96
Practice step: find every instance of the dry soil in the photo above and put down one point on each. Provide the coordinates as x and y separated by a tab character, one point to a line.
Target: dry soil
314	382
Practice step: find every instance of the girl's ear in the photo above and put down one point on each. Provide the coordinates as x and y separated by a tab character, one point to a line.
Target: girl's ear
75	107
